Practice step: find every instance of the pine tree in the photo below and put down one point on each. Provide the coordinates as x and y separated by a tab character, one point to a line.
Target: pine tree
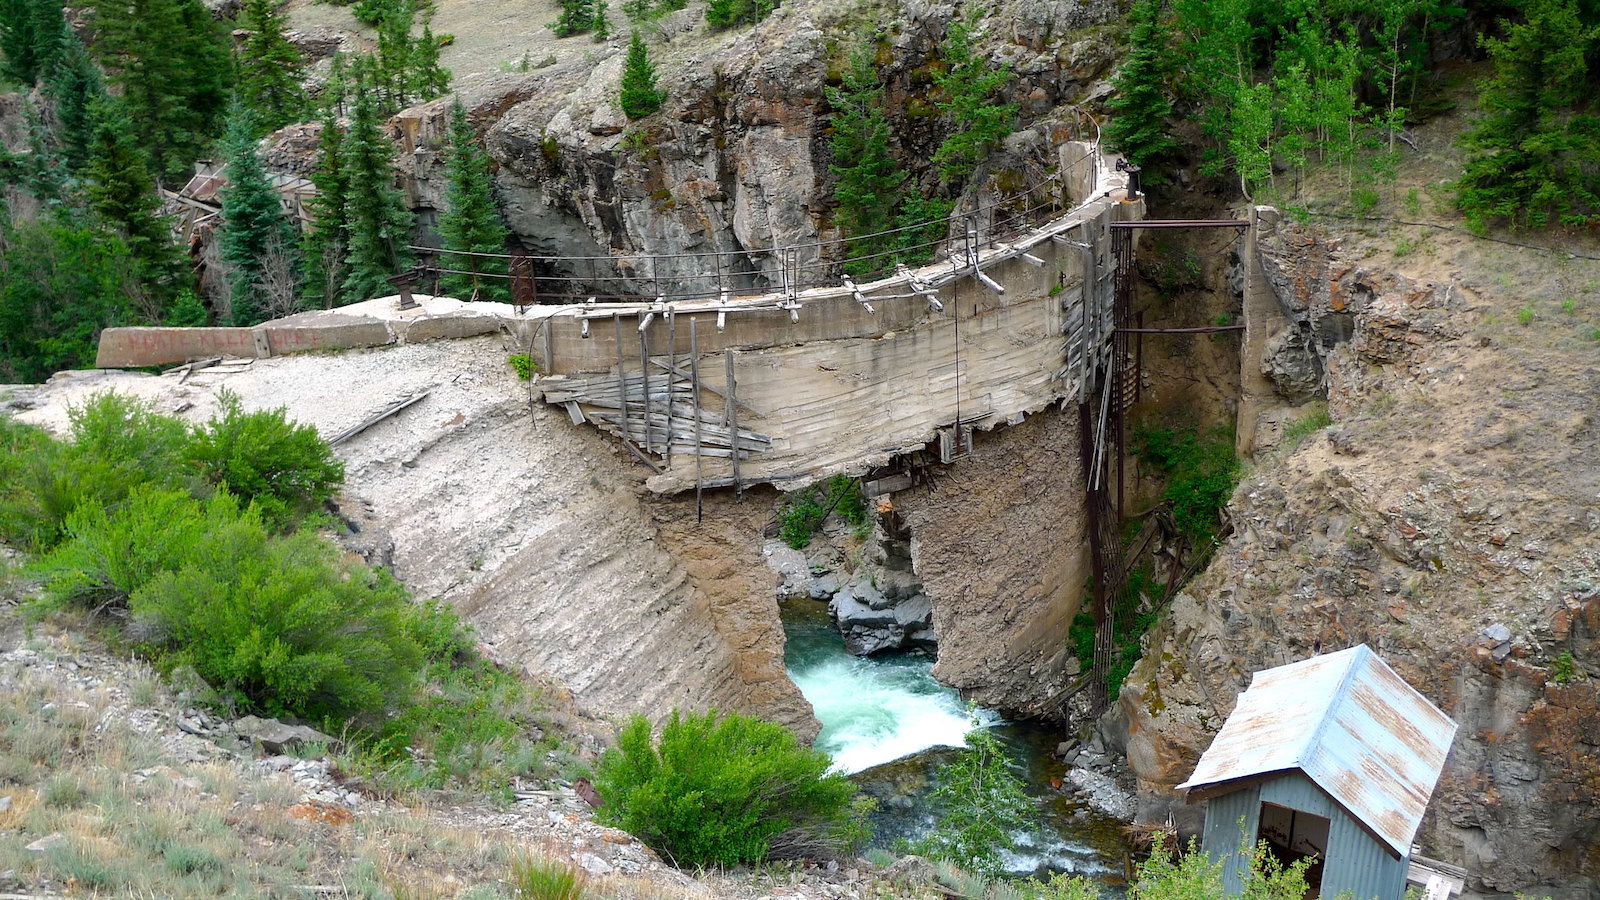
75	86
337	87
32	36
1139	128
378	221
169	62
270	68
577	16
721	13
869	180
728	13
639	11
601	24
327	241
639	96
61	282
390	70
256	237
427	79
965	87
42	170
1536	156
473	221
122	193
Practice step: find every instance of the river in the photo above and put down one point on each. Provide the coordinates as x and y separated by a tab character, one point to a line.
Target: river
889	725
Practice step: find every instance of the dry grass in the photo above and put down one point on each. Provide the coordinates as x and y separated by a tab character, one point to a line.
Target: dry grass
135	820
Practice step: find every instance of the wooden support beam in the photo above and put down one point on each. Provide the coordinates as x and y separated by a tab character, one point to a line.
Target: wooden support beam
672	355
372	420
622	375
694	385
644	369
732	414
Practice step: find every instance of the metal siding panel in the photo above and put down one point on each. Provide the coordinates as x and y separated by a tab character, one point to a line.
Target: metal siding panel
1224	835
1296	791
1359	865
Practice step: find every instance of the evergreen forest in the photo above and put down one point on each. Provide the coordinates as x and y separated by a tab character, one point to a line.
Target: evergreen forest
122	100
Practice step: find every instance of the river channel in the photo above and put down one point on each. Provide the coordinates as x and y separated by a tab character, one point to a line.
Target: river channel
890	726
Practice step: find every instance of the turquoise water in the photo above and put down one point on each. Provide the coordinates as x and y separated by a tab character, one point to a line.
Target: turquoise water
890	726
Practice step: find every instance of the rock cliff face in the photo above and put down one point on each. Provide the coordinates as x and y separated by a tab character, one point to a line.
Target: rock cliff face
1448	519
738	158
999	541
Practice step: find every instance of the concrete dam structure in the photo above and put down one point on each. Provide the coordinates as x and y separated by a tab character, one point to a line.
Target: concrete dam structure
791	386
771	376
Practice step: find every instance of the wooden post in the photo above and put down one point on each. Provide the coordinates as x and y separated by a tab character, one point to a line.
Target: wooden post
672	365
694	386
644	390
549	348
733	419
622	375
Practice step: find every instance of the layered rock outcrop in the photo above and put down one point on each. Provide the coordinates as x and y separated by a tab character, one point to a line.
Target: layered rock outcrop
1000	543
738	159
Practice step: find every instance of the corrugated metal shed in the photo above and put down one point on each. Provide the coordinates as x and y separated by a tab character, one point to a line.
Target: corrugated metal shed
1352	725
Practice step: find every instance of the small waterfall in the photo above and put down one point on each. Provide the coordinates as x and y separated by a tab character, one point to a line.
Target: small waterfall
888	709
874	710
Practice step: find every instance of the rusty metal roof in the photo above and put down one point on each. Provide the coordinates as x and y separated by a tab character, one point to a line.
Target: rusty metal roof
1351	725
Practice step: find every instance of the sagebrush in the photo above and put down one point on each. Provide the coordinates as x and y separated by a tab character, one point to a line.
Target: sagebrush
728	790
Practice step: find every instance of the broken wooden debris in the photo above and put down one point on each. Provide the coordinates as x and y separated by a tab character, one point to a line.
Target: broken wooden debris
374	419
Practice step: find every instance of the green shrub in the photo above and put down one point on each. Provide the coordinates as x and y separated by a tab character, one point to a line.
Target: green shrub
725	792
281	624
1565	668
39	486
730	13
643	11
127	433
805	511
1201	471
547	879
275	624
798	518
473	723
981	804
118	444
286	469
109	552
523	364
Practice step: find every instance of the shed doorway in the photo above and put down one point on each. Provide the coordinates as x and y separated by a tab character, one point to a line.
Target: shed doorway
1292	835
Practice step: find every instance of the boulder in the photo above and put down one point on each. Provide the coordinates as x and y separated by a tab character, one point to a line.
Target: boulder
871	623
275	737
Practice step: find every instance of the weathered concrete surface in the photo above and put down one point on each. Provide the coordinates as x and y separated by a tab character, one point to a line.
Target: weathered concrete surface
135	347
721	551
839	387
373	323
323	331
1000	543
